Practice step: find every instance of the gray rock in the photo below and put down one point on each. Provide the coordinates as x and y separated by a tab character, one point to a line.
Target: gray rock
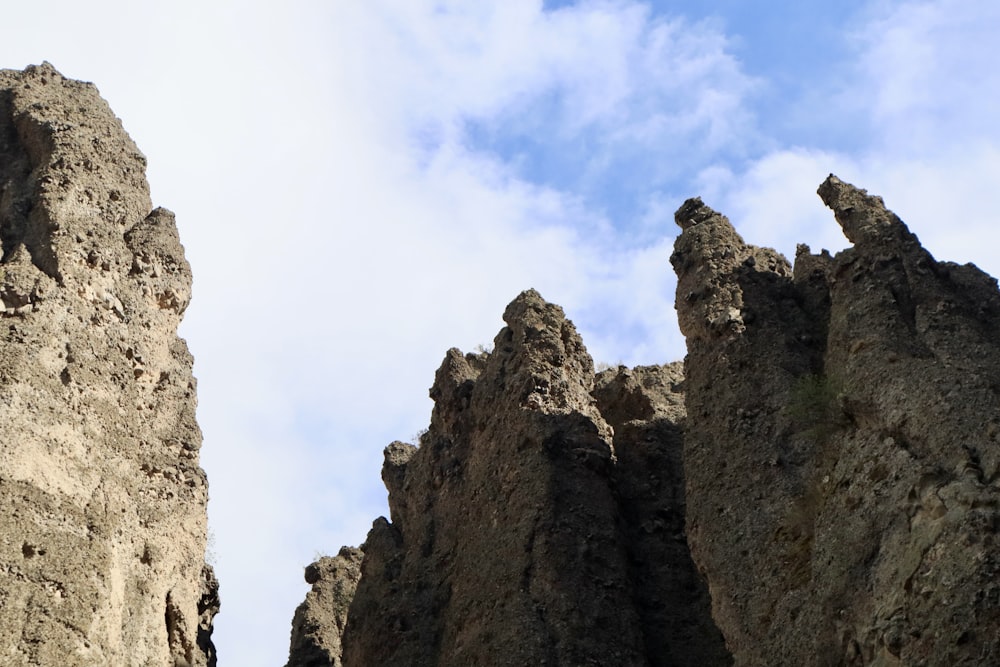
645	406
819	486
841	446
518	536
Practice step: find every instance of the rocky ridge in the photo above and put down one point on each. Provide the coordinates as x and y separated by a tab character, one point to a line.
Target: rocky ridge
826	463
841	447
524	529
102	546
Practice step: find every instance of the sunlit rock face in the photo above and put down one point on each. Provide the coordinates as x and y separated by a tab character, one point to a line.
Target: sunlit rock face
841	448
102	541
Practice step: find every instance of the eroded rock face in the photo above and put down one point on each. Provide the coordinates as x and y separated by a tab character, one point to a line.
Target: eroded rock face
510	543
503	546
838	488
103	537
841	444
319	621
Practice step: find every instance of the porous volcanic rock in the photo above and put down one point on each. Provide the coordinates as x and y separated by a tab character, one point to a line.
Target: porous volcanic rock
102	541
841	447
319	621
510	543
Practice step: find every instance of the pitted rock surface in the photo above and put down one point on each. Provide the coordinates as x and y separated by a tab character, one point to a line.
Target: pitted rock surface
818	485
102	556
515	523
841	447
645	406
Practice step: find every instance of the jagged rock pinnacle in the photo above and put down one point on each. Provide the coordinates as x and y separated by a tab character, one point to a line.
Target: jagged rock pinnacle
513	521
319	621
838	492
860	215
693	212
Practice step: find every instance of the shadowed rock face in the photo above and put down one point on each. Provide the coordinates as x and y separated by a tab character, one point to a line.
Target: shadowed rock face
841	445
645	406
518	536
102	561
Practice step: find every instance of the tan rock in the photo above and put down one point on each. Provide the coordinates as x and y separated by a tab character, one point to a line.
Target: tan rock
102	545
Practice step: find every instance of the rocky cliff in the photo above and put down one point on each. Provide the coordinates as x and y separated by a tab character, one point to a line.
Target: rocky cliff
826	464
525	530
841	447
102	540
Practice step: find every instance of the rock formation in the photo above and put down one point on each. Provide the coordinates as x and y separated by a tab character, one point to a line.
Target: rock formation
828	457
104	528
841	445
524	532
819	485
319	621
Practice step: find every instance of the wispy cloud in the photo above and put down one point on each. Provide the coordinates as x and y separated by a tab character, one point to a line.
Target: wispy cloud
928	73
571	99
923	93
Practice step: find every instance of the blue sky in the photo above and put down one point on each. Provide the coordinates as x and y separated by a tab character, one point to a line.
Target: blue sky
362	184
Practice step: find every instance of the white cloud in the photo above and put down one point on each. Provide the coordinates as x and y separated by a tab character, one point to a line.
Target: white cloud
924	88
928	72
600	86
629	317
773	203
952	203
